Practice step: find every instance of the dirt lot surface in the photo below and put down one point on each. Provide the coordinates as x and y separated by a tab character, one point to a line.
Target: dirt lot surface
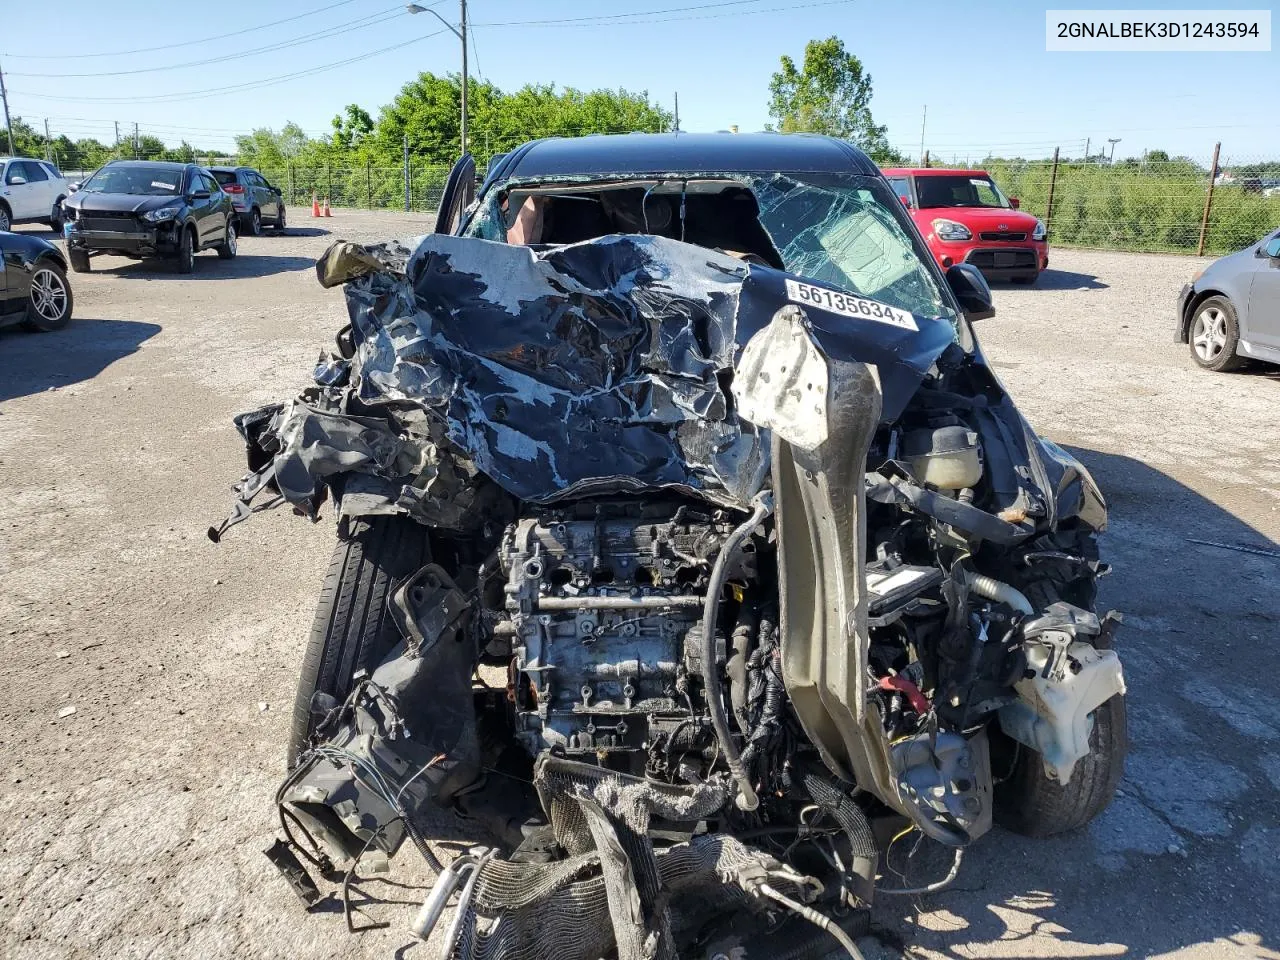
133	828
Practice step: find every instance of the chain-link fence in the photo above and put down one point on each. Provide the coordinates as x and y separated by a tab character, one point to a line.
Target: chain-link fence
371	187
1175	206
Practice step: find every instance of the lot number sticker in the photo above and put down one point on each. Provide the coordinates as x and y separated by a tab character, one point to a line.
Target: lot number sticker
846	304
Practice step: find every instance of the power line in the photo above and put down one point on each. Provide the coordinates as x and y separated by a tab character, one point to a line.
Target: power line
624	19
252	84
358	24
172	46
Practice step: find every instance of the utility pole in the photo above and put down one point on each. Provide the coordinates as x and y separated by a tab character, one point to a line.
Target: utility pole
13	149
463	25
677	129
116	146
1088	140
135	139
1113	141
406	173
48	155
923	117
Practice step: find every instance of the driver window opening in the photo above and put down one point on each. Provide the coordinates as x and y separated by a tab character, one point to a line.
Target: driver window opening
713	214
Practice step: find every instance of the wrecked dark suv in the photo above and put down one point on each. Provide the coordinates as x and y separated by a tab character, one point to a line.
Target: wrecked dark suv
684	530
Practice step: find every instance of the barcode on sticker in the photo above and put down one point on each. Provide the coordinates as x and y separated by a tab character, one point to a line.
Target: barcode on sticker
848	305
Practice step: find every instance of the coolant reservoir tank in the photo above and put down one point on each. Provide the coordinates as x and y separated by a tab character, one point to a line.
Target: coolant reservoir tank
945	458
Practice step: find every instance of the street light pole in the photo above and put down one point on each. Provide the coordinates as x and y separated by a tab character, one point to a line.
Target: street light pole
1113	141
461	34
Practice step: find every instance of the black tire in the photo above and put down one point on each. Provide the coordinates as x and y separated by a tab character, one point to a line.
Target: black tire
49	302
56	220
187	250
1029	803
254	228
79	260
280	220
6	218
1215	324
352	629
227	248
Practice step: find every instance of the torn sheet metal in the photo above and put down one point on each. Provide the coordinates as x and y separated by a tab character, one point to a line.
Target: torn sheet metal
600	367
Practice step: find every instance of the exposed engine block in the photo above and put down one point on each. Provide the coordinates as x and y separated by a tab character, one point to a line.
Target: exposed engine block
606	613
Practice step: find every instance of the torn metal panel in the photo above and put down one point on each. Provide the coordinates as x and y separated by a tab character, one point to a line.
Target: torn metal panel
600	366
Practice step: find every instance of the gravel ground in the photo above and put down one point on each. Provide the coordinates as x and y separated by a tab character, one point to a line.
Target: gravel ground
133	828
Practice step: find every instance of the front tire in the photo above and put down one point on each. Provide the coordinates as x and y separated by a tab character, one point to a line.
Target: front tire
353	629
56	219
254	228
49	302
187	250
1215	335
79	260
6	219
1029	803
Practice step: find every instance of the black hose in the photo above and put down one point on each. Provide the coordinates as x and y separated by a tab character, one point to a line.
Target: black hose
747	799
853	821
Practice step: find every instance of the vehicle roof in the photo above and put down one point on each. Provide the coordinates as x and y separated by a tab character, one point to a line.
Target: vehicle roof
5	159
226	169
157	164
641	153
932	172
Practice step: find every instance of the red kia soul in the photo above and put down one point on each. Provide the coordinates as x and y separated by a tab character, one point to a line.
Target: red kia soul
966	219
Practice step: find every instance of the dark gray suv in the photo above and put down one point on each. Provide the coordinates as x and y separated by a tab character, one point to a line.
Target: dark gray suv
255	200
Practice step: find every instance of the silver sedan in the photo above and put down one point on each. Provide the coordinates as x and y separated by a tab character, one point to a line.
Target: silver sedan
1230	312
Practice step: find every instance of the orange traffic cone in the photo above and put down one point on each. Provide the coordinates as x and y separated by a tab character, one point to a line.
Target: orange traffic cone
315	205
326	207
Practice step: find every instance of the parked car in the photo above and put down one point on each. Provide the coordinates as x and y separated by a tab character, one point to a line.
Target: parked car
690	434
1230	311
146	208
253	198
965	218
33	283
31	191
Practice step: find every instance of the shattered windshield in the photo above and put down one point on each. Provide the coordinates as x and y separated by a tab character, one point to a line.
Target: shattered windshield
844	230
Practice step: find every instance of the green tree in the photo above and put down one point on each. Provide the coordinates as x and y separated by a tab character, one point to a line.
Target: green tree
351	127
831	94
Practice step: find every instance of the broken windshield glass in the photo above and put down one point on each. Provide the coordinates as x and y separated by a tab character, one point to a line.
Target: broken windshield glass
840	229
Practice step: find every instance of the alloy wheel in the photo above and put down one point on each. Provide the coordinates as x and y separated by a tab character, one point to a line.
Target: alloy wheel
1209	335
5	224
48	295
231	237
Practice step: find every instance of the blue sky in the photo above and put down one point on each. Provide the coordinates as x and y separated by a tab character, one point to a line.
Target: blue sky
981	68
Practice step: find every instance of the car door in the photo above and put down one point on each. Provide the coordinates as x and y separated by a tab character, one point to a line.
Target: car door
201	199
1262	323
265	199
459	191
23	189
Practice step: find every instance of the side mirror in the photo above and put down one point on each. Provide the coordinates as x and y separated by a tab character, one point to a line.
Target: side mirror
73	187
970	288
201	195
17	180
1271	248
1015	202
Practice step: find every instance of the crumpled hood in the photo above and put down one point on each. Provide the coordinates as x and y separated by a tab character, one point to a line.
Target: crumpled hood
604	366
117	202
